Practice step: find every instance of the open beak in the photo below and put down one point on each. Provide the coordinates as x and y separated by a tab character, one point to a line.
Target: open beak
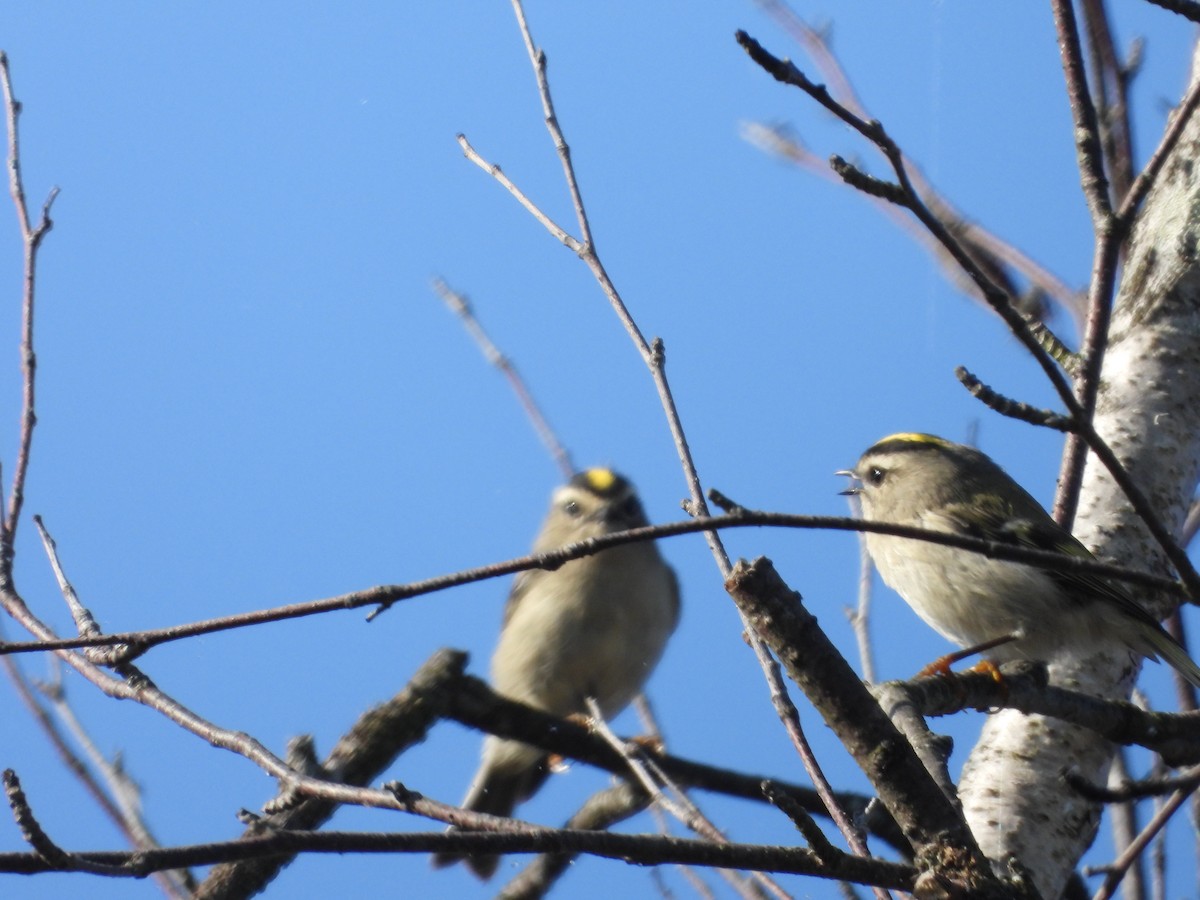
854	488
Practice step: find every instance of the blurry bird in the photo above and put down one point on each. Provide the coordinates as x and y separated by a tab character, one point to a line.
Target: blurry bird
593	628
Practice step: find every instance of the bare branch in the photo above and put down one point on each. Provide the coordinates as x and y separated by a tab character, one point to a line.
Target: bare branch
1134	851
1013	409
385	596
1135	790
359	757
1089	155
1149	175
461	307
41	842
1000	301
126	820
1189	9
860	616
1174	736
1124	819
495	171
992	253
31	235
601	811
680	806
645	849
790	716
1110	78
918	804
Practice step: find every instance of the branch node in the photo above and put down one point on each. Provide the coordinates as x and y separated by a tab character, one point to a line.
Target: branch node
732	507
805	824
869	184
404	797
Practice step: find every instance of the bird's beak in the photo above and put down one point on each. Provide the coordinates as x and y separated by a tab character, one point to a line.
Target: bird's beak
853	489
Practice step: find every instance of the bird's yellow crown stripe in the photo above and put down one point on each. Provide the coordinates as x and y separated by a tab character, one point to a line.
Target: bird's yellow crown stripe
912	437
600	480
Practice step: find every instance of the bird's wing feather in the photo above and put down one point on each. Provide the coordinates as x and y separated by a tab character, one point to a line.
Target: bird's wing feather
994	520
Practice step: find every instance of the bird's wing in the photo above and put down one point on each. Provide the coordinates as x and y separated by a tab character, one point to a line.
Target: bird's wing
673	587
520	587
994	520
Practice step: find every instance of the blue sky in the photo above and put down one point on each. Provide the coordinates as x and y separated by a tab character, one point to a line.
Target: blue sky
249	395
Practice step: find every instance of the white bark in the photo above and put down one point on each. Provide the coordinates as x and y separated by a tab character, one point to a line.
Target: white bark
1149	412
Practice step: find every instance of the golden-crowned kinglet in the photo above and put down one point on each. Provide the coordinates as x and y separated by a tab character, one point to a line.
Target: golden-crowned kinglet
593	628
922	480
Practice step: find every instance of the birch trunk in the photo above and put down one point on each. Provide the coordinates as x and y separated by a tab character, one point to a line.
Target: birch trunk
1149	412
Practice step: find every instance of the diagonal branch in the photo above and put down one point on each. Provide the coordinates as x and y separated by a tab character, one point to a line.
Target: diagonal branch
461	307
786	72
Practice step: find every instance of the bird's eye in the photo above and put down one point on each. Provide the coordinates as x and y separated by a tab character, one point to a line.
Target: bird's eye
875	475
571	508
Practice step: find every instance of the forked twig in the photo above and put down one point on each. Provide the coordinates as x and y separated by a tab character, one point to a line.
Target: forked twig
653	780
31	235
992	252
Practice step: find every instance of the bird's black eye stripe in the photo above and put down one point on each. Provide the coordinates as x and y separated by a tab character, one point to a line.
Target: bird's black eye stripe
876	475
571	508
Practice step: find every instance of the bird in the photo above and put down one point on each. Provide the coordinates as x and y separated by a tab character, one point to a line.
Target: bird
593	628
1025	611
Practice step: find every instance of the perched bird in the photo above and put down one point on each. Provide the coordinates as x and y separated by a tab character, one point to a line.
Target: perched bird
593	628
922	480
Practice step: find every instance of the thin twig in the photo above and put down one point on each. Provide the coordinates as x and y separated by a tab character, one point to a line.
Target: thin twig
1135	849
601	811
1189	9
681	807
33	833
1000	301
174	884
652	733
1149	175
982	242
1006	406
1124	819
790	716
385	596
31	236
461	307
860	616
1110	78
124	791
1089	155
643	849
1126	790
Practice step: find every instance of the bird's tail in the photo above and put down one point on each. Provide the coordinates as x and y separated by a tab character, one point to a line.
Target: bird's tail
1174	654
497	790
